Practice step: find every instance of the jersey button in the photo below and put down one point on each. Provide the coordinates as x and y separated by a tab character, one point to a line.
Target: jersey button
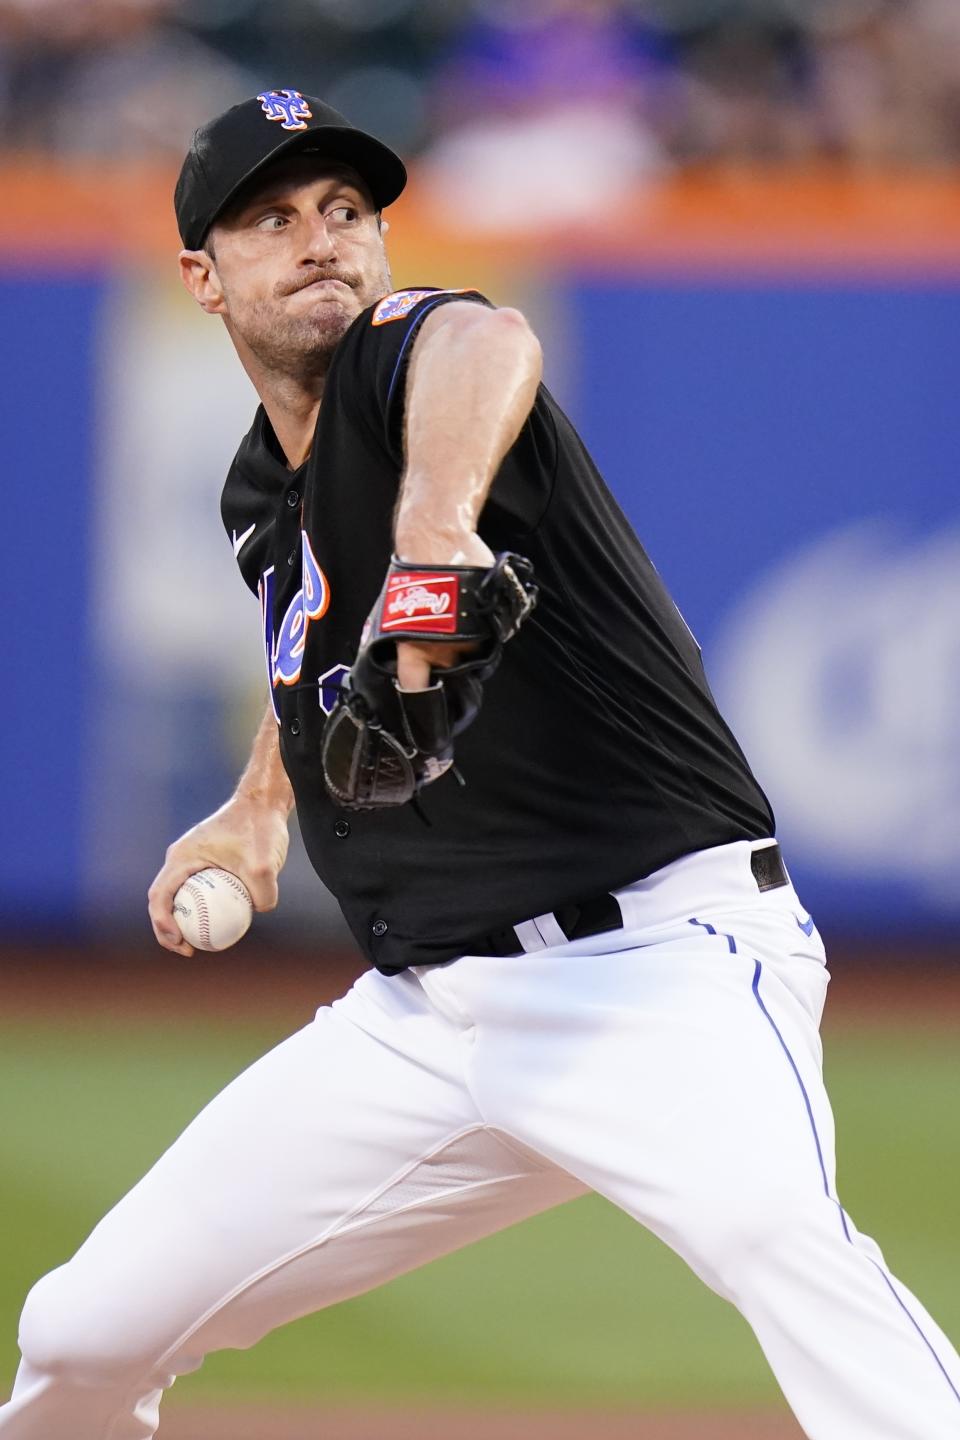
294	726
379	927
292	558
342	829
293	499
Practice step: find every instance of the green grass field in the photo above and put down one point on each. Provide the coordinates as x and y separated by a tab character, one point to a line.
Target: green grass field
577	1308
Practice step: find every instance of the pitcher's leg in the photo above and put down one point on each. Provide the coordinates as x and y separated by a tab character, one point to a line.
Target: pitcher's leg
347	1155
682	1080
856	1354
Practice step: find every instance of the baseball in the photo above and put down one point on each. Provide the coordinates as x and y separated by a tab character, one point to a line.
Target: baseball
213	909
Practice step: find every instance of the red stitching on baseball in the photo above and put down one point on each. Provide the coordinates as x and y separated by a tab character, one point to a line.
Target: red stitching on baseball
235	884
203	915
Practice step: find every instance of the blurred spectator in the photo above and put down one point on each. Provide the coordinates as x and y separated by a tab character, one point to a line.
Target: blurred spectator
537	98
863	81
623	88
741	89
106	77
888	84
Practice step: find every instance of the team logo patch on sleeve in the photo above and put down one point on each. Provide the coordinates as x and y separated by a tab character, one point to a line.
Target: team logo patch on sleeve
421	602
401	302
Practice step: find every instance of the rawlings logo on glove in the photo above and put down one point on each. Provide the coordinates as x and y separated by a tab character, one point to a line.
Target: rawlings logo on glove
382	744
422	599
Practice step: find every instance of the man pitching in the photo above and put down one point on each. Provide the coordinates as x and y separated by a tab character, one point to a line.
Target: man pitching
590	968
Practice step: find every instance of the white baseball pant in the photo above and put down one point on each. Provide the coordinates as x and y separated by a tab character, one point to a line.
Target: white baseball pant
672	1066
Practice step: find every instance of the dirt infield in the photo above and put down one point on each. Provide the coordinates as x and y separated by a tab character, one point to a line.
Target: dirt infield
356	1424
263	983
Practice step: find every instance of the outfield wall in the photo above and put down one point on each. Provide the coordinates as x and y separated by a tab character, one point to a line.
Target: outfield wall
766	374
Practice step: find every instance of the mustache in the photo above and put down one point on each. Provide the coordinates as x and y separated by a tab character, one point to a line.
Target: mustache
313	277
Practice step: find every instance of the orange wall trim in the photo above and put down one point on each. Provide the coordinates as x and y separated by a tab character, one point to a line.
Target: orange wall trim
729	221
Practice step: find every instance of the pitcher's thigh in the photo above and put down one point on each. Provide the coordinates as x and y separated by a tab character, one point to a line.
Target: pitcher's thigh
333	1134
685	1087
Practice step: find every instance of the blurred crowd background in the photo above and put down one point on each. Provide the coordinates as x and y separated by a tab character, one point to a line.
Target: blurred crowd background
670	82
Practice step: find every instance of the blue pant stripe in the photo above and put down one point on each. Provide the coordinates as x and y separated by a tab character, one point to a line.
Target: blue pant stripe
892	1288
731	943
758	970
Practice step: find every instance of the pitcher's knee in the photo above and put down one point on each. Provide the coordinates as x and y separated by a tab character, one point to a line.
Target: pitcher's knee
80	1336
730	1249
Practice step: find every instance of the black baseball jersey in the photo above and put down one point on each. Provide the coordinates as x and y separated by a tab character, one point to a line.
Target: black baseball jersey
598	755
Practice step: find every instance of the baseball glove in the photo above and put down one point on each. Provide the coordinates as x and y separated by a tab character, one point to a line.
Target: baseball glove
382	744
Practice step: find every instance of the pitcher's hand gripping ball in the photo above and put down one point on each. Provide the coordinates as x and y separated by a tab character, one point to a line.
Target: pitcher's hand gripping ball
213	909
382	744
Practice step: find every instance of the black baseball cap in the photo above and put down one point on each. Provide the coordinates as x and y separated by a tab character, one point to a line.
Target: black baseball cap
229	151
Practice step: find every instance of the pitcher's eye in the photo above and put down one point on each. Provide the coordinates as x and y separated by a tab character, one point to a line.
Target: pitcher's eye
342	216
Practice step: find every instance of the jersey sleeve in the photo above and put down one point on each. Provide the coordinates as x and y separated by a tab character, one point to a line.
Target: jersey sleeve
372	364
248	505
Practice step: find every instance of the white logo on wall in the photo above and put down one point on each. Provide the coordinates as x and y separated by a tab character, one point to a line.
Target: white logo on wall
840	675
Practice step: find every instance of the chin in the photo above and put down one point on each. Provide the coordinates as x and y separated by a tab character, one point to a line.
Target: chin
329	329
321	327
304	344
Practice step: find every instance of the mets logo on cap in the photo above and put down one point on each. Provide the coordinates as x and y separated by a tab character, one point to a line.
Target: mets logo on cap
287	106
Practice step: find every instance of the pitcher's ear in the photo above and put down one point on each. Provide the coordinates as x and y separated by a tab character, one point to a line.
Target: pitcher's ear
199	275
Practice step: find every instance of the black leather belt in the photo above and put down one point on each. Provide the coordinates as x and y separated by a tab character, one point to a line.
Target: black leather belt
601	913
768	868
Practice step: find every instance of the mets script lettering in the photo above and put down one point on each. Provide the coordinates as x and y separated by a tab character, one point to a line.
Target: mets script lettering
284	650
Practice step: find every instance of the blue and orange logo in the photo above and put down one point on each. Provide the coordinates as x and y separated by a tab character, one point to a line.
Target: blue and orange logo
284	649
287	106
401	302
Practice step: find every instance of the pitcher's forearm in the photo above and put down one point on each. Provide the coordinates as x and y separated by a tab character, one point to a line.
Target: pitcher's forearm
264	780
247	836
473	381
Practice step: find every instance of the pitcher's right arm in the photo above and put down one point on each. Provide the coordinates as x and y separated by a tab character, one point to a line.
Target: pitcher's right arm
247	836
